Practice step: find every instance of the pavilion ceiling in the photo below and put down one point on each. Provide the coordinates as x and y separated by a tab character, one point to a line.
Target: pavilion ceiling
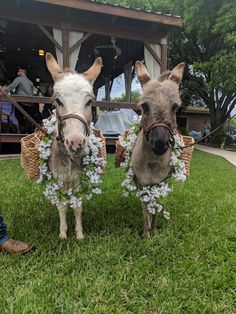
23	42
128	28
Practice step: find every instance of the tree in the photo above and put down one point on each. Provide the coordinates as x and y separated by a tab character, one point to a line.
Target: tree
207	43
135	96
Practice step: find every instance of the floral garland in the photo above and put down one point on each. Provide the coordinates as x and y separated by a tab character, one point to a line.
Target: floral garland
150	195
70	194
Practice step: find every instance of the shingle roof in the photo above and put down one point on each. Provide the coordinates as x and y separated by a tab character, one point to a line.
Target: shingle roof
136	9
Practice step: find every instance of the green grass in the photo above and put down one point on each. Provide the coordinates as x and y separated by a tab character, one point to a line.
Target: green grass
189	267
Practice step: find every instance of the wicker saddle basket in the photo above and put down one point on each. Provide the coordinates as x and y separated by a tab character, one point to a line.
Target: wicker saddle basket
186	154
30	152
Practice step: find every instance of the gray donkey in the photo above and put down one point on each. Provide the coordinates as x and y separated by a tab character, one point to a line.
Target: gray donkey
151	154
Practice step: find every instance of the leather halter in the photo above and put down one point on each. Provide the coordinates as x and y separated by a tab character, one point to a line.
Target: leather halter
60	120
157	125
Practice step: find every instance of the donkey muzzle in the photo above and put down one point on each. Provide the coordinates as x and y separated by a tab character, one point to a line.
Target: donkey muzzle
75	143
159	139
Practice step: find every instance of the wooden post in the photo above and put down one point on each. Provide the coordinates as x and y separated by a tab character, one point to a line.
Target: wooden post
164	56
65	48
107	88
128	80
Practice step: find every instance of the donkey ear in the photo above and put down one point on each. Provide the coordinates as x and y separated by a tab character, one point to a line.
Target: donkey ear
53	66
176	74
92	73
142	73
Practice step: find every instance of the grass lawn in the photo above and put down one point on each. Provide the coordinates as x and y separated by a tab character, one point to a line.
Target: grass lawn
189	267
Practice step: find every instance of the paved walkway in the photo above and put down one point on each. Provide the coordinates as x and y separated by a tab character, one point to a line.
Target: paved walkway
230	156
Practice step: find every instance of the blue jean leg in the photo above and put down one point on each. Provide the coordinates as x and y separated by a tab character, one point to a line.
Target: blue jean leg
3	231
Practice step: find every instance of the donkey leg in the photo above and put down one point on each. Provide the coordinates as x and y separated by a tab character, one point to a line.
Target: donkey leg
78	223
62	208
147	222
153	224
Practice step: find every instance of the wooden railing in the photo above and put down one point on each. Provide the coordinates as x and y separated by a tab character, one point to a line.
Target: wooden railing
15	138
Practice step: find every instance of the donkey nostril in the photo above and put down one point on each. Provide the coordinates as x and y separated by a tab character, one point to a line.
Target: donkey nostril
72	143
67	142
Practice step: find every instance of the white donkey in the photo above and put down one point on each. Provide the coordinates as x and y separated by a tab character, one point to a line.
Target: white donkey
73	95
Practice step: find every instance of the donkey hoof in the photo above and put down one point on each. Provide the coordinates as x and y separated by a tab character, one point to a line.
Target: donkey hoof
153	232
146	235
63	236
79	236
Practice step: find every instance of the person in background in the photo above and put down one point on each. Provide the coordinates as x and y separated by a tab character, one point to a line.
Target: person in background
9	245
47	108
23	86
3	72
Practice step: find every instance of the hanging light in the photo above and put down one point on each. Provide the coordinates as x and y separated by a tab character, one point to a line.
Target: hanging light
41	52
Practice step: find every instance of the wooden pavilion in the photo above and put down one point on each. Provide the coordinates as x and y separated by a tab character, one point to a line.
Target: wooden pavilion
77	31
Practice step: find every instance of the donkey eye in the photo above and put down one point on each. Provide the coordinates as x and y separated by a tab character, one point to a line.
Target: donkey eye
145	107
174	107
89	103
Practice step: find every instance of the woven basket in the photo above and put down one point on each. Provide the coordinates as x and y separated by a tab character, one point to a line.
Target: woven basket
120	150
102	152
30	152
186	154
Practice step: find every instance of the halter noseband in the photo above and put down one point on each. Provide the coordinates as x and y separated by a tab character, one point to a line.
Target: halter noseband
60	120
157	125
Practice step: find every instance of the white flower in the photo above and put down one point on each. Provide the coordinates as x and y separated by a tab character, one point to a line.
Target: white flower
69	192
49	124
89	196
75	202
125	194
97	191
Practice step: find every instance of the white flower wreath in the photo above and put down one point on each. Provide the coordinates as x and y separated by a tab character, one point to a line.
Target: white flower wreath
93	166
150	194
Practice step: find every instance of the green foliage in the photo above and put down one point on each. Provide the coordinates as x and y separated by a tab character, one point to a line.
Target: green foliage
228	140
183	131
189	267
135	96
218	139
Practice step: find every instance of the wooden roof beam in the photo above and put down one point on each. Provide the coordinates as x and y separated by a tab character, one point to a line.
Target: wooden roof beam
101	28
79	42
53	40
153	53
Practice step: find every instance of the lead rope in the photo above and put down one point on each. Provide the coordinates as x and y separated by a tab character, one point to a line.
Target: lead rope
12	100
206	136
